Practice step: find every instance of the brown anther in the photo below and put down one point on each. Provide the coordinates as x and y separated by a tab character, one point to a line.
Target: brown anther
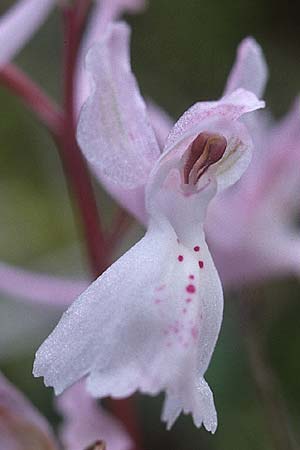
205	150
98	445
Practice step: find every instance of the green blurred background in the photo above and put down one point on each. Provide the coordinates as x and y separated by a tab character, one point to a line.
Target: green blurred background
181	53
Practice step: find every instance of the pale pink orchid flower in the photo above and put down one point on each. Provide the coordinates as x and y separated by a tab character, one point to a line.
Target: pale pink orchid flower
23	427
251	227
151	321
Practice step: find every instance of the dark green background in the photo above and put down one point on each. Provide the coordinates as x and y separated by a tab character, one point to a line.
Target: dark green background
182	52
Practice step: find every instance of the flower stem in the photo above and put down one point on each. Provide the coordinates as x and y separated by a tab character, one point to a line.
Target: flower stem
74	163
63	132
73	25
266	381
14	79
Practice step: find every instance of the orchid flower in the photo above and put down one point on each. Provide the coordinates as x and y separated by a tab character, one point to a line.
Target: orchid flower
245	222
23	427
151	321
258	238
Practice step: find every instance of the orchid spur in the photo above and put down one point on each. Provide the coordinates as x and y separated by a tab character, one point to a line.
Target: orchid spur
151	321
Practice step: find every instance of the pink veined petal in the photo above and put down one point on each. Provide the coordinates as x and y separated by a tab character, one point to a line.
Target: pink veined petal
114	132
250	70
19	23
160	121
21	425
37	288
104	13
231	107
85	421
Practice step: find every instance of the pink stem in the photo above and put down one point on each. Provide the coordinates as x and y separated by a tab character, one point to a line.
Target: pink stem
123	409
34	97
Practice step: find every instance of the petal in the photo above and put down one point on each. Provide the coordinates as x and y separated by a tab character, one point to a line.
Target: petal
86	422
160	121
254	226
104	13
19	23
113	132
37	288
250	70
21	425
151	321
230	107
218	117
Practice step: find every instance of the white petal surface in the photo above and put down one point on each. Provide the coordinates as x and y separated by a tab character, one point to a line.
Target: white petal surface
113	132
250	70
151	321
19	23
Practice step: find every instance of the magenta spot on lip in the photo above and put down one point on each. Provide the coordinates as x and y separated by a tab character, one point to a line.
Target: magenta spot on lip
191	289
157	301
191	277
201	264
188	300
194	332
196	248
180	258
